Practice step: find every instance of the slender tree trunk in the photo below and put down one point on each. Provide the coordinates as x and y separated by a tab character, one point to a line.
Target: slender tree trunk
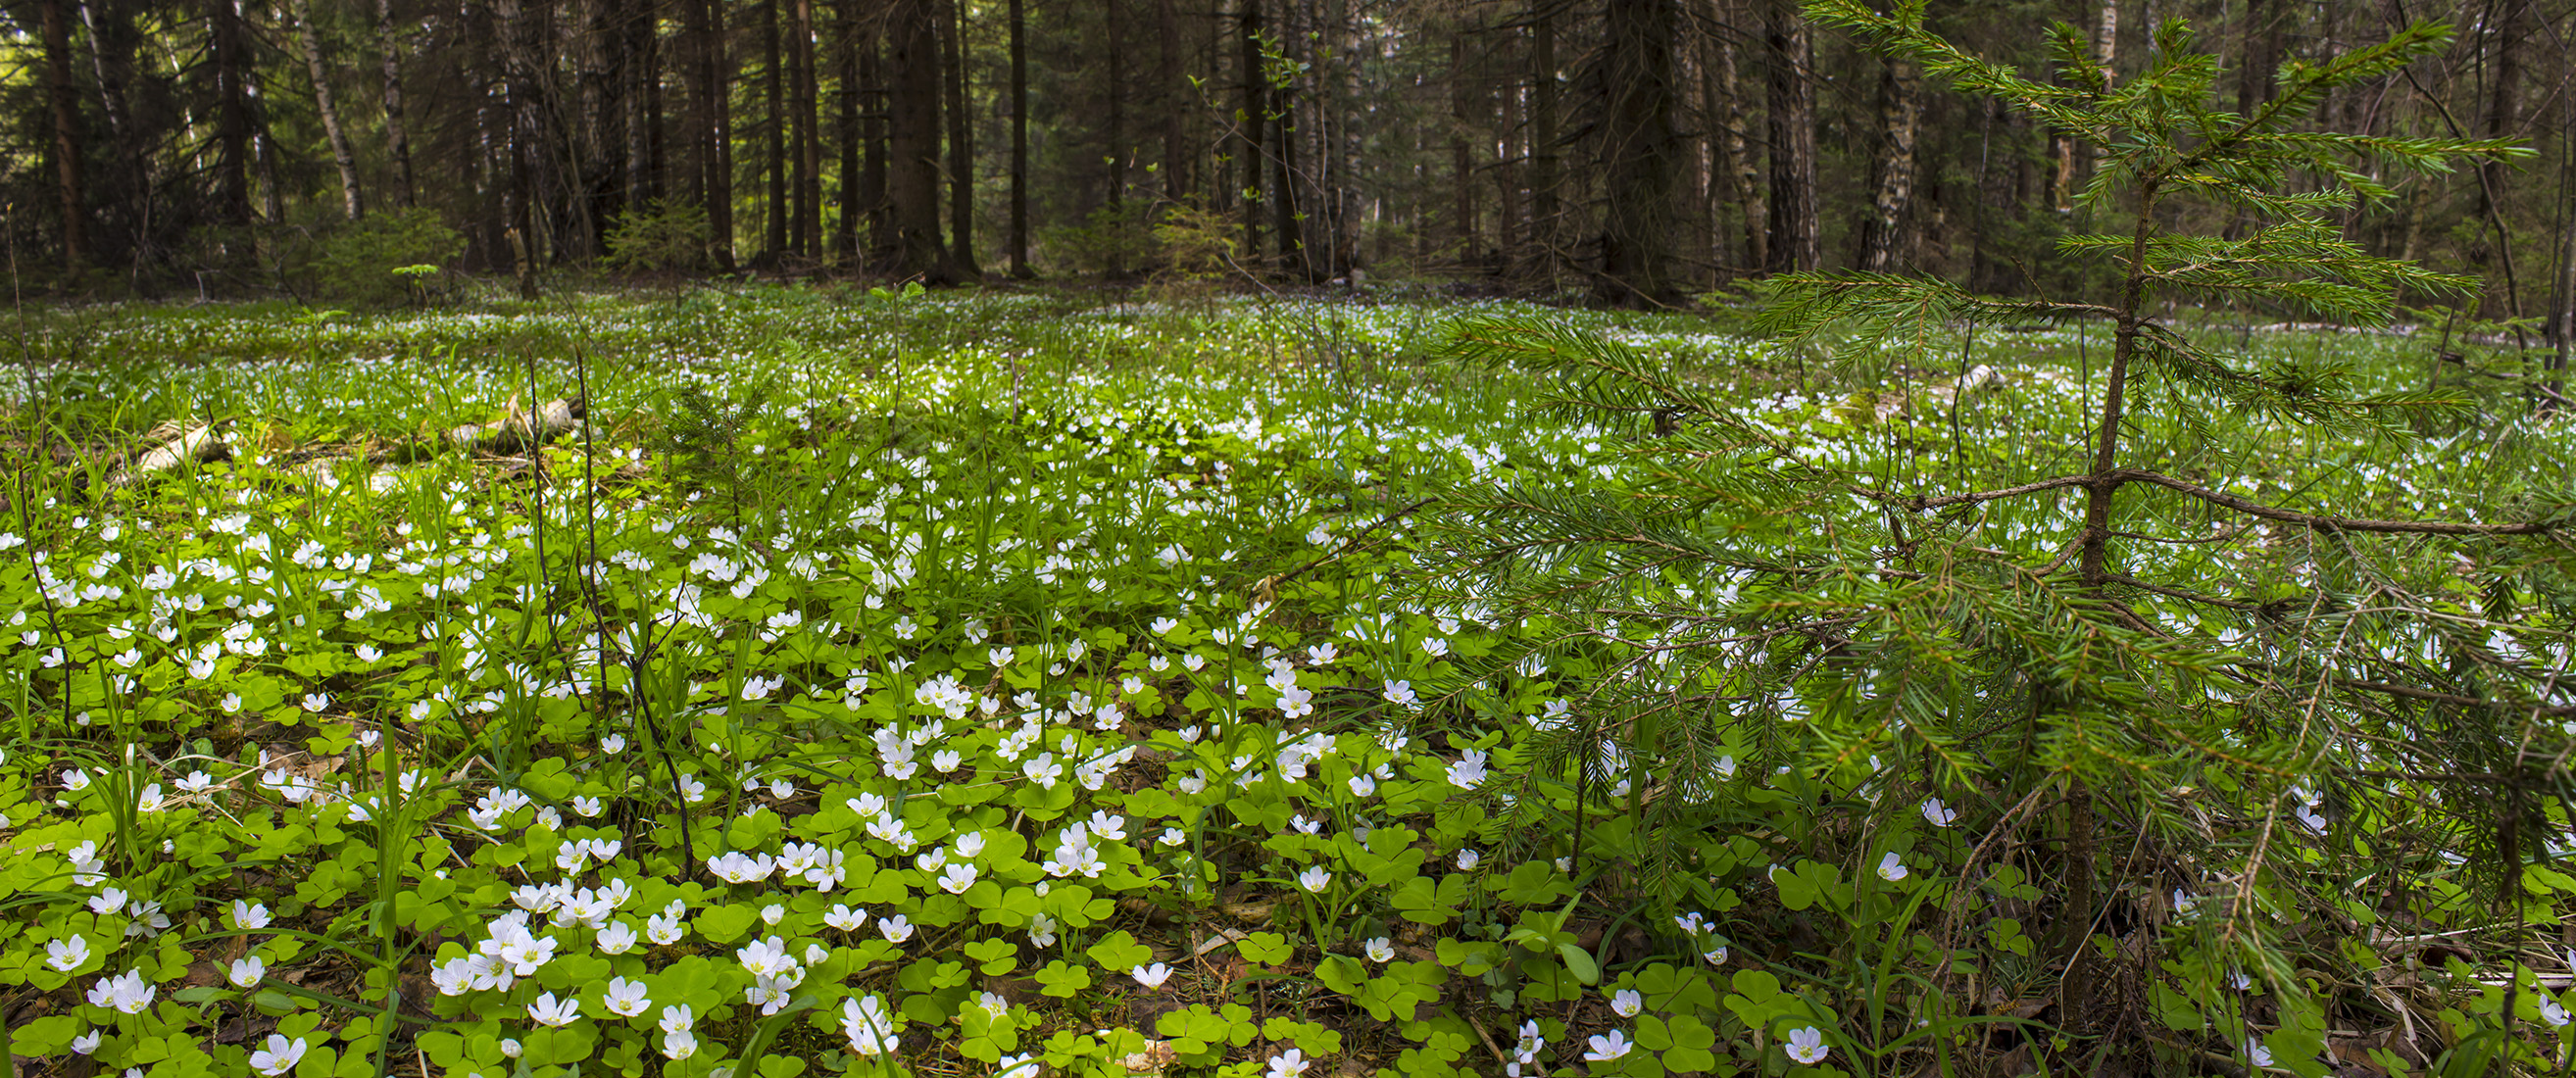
712	123
875	121
1019	142
2503	119
1508	173
1251	122
1545	212
397	135
1900	103
809	150
1462	158
845	126
1642	153
2063	152
65	95
639	69
773	138
1796	241
1287	197
2106	51
586	152
1738	162
111	42
232	111
1114	184
2259	62
961	145
1174	93
513	22
913	176
1338	99
352	202
657	171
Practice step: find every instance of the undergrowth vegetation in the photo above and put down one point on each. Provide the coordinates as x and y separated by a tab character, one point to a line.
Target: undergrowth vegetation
879	683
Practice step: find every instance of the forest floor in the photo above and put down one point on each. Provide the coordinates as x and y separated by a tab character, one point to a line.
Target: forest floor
805	680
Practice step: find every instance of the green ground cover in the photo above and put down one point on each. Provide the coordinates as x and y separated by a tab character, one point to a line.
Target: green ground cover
966	685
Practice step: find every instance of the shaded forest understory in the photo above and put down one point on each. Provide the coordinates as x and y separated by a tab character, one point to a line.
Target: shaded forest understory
1637	151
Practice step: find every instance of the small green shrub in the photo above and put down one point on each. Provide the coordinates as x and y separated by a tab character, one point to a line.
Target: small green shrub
1106	242
668	237
358	262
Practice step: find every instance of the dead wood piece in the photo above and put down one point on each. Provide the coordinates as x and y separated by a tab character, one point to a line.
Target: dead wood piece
519	431
195	445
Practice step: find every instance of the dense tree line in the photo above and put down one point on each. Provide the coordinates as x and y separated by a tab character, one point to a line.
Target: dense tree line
1639	150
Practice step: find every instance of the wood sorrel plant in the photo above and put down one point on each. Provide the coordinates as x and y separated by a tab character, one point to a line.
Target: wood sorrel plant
2192	747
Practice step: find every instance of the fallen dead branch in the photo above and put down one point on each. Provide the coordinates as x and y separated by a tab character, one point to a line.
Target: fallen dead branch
519	431
181	446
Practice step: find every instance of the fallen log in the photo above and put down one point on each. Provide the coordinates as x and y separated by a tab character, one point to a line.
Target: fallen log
184	446
519	431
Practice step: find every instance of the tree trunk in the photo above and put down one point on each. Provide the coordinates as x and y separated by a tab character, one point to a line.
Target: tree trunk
2503	119
712	123
845	126
1883	239
584	151
1169	87
1251	122
1462	159
397	136
1338	99
228	50
1796	241
809	151
961	146
1508	172
773	138
1641	149
913	39
2062	149
1286	199
1114	185
1736	166
874	123
514	23
639	69
65	95
352	202
1019	142
2259	63
111	41
1544	209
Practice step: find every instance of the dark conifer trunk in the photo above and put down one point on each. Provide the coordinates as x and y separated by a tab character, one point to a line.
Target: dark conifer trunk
1251	123
1796	241
1168	87
1545	213
1114	50
1882	232
65	96
773	133
1642	153
1462	159
229	63
845	127
874	124
961	145
712	80
912	33
397	134
809	155
352	200
1019	141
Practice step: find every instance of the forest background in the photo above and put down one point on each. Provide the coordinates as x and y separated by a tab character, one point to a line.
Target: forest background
1637	151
